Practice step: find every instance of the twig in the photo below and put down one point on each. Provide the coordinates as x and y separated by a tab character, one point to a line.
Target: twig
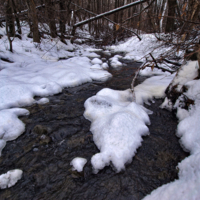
50	48
172	62
74	27
135	15
133	81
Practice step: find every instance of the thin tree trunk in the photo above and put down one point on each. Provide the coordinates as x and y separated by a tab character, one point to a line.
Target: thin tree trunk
10	23
193	12
9	38
34	20
162	16
16	17
198	56
64	16
170	26
49	5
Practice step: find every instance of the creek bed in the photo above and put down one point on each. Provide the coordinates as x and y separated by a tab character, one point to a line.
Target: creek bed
57	132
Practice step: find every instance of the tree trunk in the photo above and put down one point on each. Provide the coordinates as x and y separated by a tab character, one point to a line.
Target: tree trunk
10	23
33	20
62	18
198	56
15	9
49	6
192	15
170	26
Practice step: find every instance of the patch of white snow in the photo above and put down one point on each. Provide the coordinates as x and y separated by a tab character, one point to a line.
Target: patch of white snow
118	125
78	163
10	178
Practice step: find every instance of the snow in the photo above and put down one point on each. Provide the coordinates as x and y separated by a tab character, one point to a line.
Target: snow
147	71
78	164
43	101
140	50
91	55
10	126
10	178
118	125
186	73
189	131
137	50
105	66
182	113
96	61
114	61
152	87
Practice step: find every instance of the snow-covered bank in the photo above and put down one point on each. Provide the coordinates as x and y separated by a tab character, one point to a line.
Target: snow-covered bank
153	87
188	184
140	50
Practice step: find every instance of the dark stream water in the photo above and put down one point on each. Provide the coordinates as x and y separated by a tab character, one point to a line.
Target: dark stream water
57	132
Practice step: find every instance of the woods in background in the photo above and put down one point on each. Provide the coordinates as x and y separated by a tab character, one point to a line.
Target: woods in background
57	18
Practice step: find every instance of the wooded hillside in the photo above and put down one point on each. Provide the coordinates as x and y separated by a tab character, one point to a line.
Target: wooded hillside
180	20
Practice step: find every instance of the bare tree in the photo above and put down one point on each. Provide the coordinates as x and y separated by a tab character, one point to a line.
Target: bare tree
170	25
10	22
33	20
50	10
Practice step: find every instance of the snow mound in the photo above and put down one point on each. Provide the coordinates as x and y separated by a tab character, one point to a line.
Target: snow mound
118	125
10	126
114	61
189	127
10	178
186	73
188	184
43	101
152	87
19	85
78	164
147	71
105	66
96	61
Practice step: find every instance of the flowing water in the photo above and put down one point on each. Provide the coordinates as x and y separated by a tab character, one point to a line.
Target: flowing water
57	132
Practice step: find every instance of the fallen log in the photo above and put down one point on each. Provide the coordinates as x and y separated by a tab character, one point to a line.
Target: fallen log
105	14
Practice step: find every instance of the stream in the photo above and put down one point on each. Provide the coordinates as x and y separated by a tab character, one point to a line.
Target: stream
57	132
